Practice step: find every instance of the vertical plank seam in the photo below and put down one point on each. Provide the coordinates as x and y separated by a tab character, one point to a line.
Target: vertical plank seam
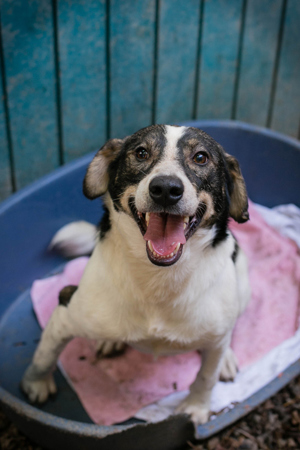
155	60
57	85
7	115
108	72
276	64
198	61
239	61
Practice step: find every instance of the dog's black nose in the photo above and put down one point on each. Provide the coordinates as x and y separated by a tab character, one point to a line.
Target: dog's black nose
166	190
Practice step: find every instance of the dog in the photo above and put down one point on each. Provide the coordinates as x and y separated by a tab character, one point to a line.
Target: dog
166	275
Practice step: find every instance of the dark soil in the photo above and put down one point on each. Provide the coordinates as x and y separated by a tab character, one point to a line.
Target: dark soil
273	425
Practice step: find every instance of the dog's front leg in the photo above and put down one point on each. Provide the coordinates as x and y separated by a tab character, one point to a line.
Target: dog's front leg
38	381
197	403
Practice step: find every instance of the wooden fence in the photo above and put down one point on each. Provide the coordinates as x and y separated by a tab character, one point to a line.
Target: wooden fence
76	72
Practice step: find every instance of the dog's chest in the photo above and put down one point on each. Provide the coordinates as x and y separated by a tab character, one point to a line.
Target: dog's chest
163	347
163	334
172	328
139	306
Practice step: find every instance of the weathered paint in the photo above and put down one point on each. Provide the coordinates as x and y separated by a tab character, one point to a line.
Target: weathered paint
30	76
219	53
258	59
5	170
80	72
177	58
286	111
82	60
132	27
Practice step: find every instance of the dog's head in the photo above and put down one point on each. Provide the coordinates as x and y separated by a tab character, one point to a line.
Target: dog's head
171	180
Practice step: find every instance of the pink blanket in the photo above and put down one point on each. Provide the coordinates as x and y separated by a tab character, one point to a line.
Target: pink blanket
114	389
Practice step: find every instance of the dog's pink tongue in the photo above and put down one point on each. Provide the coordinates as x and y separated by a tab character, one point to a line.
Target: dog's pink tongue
165	231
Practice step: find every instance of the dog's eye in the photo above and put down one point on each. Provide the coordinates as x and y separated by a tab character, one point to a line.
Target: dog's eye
142	154
200	158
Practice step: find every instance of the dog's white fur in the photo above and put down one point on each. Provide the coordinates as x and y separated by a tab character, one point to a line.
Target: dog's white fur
122	296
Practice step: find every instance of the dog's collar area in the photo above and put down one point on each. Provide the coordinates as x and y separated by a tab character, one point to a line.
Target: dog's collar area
182	227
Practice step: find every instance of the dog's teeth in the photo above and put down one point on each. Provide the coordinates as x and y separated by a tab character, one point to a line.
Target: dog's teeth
186	219
147	218
184	225
163	256
150	246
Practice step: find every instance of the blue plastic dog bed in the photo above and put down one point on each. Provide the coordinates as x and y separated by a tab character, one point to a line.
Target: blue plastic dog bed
270	163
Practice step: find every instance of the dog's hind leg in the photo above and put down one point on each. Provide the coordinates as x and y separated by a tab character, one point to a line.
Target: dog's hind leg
38	382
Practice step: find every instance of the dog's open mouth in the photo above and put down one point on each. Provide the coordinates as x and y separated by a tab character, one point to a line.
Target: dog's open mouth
165	234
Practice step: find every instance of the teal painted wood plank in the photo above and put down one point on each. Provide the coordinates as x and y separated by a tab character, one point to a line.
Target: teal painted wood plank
5	170
258	58
286	111
82	45
220	40
131	55
177	57
29	63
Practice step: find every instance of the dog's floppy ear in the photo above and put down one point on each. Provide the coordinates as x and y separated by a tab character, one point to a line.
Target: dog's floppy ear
238	209
95	182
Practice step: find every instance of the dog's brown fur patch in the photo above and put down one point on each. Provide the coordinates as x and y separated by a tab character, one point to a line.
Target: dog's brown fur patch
65	294
239	200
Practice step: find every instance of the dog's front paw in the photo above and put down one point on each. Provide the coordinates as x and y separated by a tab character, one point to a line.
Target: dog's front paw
198	411
109	348
39	389
229	366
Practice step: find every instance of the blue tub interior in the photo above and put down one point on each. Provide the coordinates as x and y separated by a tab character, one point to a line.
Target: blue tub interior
270	164
19	335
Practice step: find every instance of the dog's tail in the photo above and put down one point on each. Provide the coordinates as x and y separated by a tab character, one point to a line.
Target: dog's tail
75	239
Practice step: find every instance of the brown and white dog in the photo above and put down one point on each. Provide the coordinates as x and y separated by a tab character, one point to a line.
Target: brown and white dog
166	275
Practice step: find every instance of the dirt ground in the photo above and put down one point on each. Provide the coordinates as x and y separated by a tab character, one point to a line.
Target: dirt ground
273	425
